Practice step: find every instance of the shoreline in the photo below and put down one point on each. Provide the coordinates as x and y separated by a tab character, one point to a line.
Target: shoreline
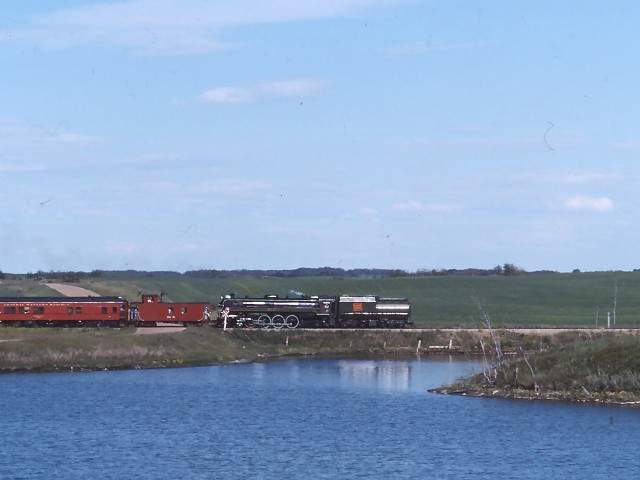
621	398
65	350
600	371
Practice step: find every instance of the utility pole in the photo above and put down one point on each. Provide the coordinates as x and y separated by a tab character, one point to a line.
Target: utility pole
615	302
597	314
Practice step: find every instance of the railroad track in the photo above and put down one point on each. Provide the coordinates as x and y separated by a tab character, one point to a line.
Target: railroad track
524	330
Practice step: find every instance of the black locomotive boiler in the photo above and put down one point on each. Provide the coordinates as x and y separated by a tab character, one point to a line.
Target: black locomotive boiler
344	311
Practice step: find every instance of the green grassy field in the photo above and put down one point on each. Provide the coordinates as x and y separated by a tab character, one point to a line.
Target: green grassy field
549	299
24	288
526	300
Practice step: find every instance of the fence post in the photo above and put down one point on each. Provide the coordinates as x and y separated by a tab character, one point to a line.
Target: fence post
225	314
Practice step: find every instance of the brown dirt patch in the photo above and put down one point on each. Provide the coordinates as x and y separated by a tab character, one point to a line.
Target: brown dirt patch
158	330
72	290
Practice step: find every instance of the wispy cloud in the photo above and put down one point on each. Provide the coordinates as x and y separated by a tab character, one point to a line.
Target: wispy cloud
627	145
17	133
417	206
230	187
575	177
591	204
281	89
426	48
170	26
227	95
123	248
493	142
20	168
367	212
27	147
227	187
71	138
536	231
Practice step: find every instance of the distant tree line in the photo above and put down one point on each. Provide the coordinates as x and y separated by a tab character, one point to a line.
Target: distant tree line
75	276
507	269
65	276
300	272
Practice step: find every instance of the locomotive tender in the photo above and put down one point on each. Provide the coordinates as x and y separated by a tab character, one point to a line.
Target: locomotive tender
345	311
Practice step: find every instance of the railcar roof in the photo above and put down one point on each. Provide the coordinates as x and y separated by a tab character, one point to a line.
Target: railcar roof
203	302
61	299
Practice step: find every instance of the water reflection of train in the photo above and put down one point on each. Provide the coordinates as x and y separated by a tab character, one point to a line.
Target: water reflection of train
387	375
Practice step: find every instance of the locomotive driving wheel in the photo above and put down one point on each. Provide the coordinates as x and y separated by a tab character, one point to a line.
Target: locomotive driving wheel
292	321
264	321
278	321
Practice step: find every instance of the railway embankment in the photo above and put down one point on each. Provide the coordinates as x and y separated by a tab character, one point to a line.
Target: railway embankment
600	370
78	349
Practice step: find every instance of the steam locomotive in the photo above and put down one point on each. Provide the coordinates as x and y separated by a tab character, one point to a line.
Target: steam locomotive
343	311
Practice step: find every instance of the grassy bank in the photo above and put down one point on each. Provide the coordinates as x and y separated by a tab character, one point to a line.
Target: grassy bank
599	370
48	349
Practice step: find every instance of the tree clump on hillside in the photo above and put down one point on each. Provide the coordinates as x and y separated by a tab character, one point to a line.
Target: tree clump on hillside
510	269
507	269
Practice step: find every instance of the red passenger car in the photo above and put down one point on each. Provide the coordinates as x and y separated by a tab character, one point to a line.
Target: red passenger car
152	310
61	311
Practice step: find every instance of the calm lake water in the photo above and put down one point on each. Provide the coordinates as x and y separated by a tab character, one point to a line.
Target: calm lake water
308	419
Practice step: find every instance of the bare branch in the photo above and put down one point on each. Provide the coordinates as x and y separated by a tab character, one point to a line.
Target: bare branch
533	373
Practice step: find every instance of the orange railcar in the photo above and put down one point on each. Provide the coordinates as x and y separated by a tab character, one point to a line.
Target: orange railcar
152	310
63	311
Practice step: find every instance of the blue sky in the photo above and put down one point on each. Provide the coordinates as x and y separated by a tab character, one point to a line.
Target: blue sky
159	134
